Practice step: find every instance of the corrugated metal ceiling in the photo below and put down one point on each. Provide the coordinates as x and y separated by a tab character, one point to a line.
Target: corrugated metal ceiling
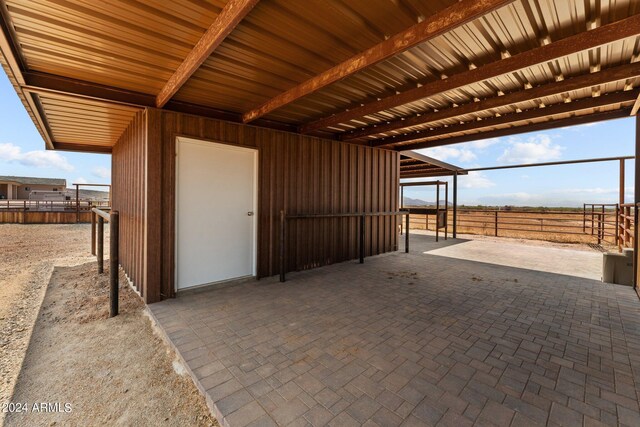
137	45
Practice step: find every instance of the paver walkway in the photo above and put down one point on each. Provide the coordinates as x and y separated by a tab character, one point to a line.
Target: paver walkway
413	339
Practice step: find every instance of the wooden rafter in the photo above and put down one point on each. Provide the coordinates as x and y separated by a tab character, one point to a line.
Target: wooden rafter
439	23
551	124
623	72
230	16
602	35
636	107
512	118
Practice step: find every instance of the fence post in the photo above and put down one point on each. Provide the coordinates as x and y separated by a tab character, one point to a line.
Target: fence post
114	280
584	217
100	253
617	232
93	233
362	224
406	236
283	264
592	217
496	224
627	225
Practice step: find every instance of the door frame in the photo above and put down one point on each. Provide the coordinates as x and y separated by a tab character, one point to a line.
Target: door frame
207	142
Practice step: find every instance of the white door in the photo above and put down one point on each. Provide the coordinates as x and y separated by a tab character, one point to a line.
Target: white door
215	212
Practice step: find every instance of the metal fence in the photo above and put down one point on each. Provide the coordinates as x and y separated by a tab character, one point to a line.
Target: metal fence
607	224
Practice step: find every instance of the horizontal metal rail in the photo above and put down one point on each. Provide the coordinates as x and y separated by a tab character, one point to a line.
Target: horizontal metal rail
284	217
606	224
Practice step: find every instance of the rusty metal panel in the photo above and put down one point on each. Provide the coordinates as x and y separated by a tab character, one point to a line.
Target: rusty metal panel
299	174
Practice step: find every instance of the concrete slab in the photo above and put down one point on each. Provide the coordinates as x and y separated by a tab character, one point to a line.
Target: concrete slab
552	260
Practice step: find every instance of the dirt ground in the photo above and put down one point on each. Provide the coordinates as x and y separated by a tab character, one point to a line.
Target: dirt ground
559	227
57	344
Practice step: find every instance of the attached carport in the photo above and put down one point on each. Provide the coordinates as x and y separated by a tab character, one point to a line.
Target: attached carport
329	94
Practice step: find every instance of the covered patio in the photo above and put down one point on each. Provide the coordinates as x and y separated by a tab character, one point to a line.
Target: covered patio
424	338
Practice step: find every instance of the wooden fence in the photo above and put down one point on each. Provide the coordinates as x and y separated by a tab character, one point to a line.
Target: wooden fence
47	212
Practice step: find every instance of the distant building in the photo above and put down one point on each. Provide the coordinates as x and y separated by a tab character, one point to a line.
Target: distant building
19	187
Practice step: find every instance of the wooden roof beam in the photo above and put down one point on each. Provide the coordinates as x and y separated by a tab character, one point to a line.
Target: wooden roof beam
230	16
587	40
551	124
636	107
622	72
435	25
505	119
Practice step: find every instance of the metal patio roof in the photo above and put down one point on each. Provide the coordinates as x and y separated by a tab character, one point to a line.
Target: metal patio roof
339	69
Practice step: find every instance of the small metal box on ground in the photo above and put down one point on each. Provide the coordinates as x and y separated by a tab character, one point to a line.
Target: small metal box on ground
618	267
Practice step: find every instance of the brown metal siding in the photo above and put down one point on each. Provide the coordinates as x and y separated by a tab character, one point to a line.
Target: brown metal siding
301	175
297	173
128	195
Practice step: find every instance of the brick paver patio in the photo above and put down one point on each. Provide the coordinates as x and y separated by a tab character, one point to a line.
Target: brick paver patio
413	339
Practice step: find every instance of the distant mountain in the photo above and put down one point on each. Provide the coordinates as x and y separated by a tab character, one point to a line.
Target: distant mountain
409	202
89	194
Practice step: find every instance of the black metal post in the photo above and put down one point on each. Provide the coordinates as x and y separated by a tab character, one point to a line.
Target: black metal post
93	233
283	231
77	203
401	204
362	224
100	245
114	262
455	204
437	209
446	210
636	200
406	235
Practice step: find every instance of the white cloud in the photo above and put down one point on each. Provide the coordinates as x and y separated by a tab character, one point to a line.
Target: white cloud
80	180
475	180
463	155
38	158
102	172
481	144
596	190
537	148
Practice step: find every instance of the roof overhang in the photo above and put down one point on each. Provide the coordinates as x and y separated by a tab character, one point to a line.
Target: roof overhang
393	75
416	165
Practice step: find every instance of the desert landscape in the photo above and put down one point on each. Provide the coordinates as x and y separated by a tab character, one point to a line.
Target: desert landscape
57	344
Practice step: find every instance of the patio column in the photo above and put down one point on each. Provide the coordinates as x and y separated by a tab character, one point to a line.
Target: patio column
9	191
455	204
636	200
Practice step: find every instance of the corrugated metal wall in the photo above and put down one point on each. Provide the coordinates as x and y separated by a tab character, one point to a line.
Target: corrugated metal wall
128	195
299	174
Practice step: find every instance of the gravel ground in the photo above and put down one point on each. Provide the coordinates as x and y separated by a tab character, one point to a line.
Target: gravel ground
57	344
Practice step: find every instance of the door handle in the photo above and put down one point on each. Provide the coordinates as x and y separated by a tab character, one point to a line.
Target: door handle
249	213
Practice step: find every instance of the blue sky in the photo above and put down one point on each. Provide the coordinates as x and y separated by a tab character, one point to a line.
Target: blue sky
22	150
22	153
566	185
